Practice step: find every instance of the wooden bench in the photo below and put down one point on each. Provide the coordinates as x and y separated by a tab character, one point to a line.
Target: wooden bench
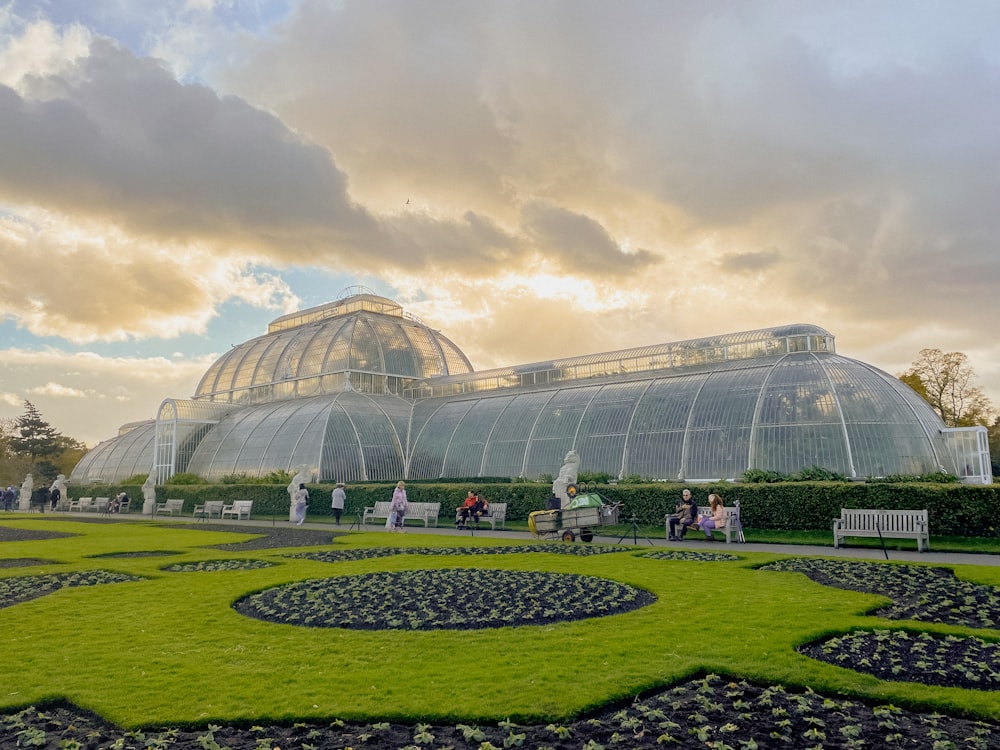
426	512
894	524
209	509
734	526
81	504
238	508
171	506
496	513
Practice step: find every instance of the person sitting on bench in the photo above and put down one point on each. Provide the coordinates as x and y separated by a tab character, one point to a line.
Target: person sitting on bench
465	510
684	515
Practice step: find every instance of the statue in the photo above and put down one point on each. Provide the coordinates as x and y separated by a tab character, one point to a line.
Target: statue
567	476
300	478
149	493
24	499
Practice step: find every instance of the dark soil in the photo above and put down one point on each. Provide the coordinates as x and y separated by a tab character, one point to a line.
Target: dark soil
270	537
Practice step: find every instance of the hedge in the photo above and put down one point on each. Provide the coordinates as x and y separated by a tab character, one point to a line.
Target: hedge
955	510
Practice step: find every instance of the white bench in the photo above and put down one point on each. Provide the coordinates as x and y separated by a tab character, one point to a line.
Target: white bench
81	504
171	506
238	508
734	526
496	513
209	509
426	512
894	524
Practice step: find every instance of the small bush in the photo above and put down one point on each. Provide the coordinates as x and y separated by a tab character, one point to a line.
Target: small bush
185	478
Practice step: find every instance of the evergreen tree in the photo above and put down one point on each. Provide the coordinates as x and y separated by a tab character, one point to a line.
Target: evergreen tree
33	436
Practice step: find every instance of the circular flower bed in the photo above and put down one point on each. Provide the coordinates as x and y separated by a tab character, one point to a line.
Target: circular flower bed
455	599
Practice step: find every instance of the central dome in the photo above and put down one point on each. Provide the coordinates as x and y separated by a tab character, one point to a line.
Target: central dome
361	342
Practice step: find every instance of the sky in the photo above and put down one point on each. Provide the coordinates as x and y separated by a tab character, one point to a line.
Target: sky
533	178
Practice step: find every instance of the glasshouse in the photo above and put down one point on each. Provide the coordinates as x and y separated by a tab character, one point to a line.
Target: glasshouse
360	390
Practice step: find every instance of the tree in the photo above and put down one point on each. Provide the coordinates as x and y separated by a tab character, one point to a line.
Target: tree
993	433
944	380
33	436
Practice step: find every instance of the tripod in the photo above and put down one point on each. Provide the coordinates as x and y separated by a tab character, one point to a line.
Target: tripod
634	530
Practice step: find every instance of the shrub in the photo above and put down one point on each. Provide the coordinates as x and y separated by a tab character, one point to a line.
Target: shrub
185	477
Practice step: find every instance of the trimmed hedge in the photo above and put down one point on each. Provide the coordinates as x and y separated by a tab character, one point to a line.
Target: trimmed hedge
955	510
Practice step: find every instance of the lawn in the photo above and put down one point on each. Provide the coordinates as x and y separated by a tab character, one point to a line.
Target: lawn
155	629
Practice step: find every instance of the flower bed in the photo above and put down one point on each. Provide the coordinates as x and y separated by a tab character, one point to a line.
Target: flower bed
711	712
453	599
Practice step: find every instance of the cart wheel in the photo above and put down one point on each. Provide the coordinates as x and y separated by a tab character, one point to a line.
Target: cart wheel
586	535
568	535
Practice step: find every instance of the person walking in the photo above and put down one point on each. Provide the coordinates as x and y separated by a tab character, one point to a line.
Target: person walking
301	499
398	507
337	501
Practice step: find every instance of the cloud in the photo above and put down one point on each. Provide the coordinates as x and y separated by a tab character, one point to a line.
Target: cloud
61	391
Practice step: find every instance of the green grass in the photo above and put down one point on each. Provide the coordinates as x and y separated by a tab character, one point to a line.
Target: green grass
170	650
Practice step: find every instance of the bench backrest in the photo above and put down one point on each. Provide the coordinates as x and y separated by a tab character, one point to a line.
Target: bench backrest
382	508
732	511
214	506
497	511
431	510
174	503
883	520
243	506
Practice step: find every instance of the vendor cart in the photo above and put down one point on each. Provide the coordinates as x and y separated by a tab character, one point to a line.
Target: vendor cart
583	513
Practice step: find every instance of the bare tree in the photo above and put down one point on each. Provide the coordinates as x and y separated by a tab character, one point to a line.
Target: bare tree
944	380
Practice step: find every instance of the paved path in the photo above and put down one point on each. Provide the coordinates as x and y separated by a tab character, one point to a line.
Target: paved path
692	542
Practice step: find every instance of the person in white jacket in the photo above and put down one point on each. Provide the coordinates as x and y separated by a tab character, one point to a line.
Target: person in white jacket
338	497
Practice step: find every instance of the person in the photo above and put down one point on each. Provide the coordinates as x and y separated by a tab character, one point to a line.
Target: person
718	518
338	496
43	498
398	507
479	509
464	510
54	497
301	497
9	495
684	515
60	485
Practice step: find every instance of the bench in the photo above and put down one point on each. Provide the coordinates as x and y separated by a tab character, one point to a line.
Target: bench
101	504
496	513
734	526
238	508
895	524
426	512
81	504
209	509
170	506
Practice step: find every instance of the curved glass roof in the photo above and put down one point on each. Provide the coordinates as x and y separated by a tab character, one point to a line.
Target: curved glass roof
318	351
784	414
764	342
358	391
